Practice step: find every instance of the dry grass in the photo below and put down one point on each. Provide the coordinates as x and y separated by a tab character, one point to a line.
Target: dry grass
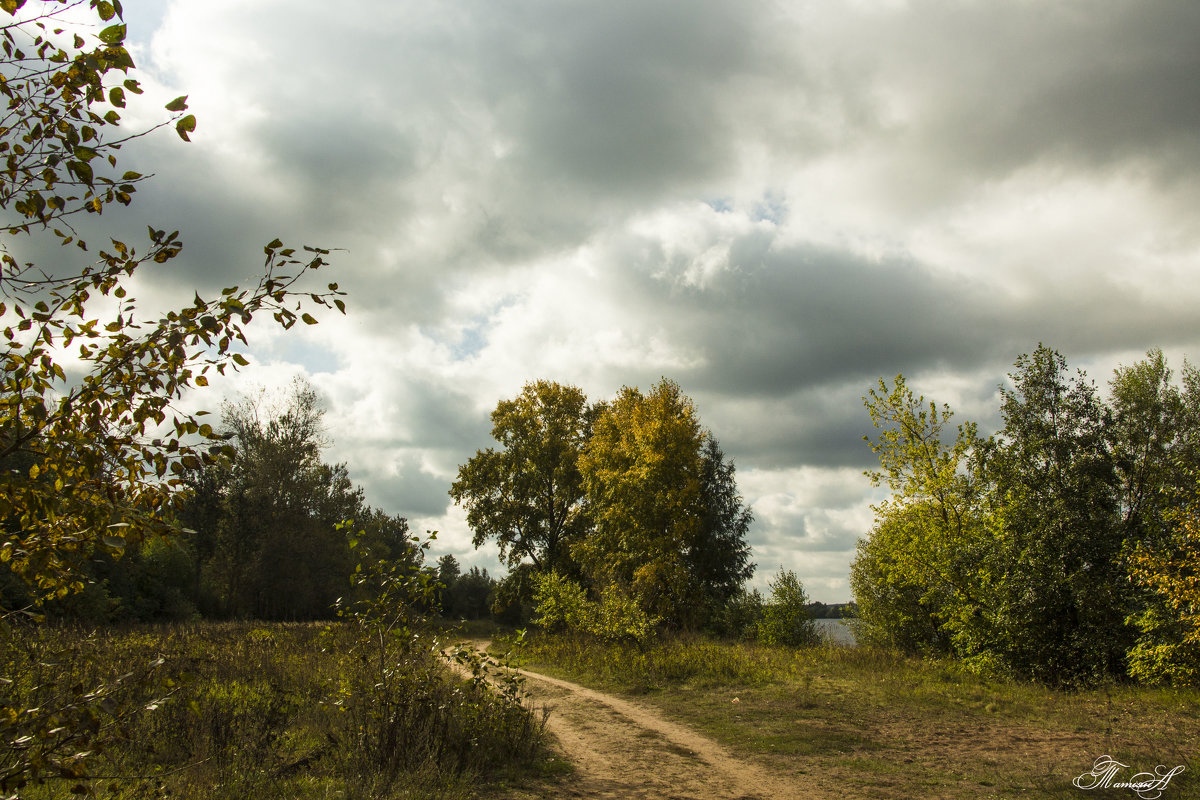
864	723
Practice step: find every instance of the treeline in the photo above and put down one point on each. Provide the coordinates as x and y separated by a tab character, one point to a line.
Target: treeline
262	534
619	519
1063	548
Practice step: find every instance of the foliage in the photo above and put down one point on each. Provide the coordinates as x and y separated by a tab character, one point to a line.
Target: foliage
563	605
527	496
739	617
896	606
470	596
91	458
92	461
1061	596
669	524
719	558
1168	650
58	717
264	524
642	474
403	712
560	603
1035	551
632	499
258	717
785	618
913	577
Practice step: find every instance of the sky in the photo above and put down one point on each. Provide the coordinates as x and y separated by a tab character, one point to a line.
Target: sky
774	204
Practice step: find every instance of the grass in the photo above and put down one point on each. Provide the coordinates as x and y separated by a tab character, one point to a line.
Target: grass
859	722
239	710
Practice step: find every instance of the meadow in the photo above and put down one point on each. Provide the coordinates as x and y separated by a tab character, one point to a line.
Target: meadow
234	710
225	711
860	722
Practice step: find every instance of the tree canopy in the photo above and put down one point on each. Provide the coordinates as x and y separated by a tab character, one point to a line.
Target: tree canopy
528	495
632	497
1043	550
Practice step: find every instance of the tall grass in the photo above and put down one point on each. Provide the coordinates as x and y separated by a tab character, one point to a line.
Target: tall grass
242	710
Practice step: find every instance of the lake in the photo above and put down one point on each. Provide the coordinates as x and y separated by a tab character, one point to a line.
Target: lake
836	629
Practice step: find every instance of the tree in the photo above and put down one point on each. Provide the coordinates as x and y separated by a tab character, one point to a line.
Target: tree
915	578
528	496
1058	549
92	461
786	620
669	524
899	603
719	558
1155	435
1060	581
1168	649
277	551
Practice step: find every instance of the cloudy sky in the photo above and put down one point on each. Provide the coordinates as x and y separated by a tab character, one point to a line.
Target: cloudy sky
773	203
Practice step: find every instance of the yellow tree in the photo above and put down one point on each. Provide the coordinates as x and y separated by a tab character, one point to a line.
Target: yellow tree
643	475
1169	648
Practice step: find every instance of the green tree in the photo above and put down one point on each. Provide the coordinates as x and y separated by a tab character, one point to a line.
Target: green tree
916	578
1060	581
528	495
719	558
469	597
1155	435
276	548
900	603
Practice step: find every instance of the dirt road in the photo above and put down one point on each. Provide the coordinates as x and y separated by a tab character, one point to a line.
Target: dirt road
622	749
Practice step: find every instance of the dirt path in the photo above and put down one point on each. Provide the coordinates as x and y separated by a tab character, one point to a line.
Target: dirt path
622	749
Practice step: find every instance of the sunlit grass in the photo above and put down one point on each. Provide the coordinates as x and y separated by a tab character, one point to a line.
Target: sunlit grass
875	723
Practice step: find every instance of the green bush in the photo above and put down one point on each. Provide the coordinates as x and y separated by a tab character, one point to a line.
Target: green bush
562	605
785	619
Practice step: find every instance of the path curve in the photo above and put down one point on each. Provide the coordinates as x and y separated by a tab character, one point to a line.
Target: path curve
623	749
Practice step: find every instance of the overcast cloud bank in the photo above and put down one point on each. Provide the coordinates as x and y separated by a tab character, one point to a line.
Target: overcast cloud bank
774	204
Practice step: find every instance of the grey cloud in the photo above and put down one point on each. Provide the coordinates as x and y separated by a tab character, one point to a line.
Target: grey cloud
445	144
998	88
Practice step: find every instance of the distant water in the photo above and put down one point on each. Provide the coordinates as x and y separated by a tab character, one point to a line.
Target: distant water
836	629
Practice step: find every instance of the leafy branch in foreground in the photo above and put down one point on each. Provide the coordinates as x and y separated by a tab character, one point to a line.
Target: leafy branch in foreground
93	448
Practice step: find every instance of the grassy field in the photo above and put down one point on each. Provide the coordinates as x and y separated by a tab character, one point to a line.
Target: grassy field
864	723
281	711
240	710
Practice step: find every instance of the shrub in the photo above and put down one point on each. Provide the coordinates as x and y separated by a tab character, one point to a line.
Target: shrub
562	605
785	620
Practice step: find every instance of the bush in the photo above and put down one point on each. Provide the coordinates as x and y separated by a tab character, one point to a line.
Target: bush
785	620
562	605
739	618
